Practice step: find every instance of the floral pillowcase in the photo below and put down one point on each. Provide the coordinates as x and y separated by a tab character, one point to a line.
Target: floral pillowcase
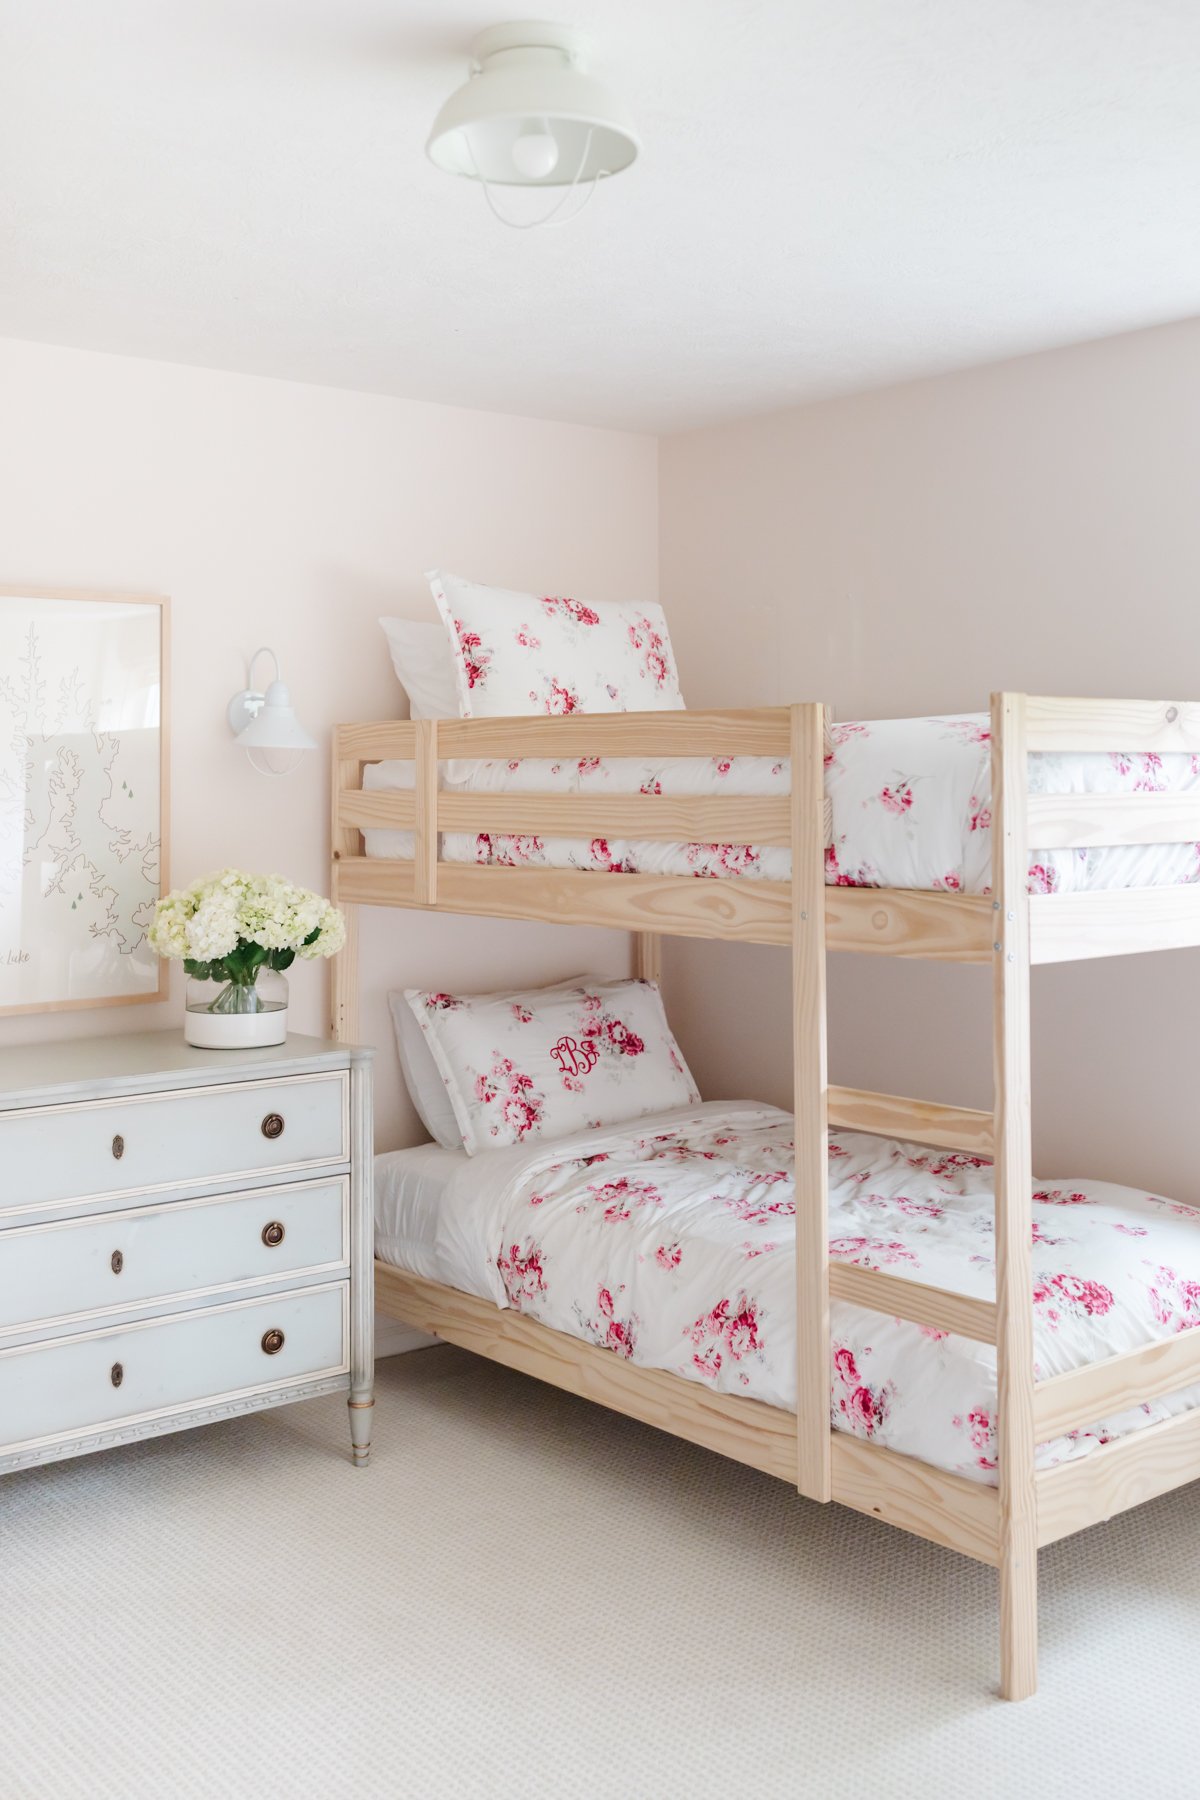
518	653
542	1064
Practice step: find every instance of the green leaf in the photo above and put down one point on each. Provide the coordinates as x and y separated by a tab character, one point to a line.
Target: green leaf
244	961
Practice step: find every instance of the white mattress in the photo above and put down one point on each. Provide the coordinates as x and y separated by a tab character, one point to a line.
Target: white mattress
671	1243
910	802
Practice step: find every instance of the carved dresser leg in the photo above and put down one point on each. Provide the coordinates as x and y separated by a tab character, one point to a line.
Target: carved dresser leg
360	1427
361	1398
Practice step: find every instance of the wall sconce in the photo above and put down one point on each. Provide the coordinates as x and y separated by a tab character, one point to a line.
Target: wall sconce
263	721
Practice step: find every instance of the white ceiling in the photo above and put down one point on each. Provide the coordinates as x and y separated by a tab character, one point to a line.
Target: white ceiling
833	194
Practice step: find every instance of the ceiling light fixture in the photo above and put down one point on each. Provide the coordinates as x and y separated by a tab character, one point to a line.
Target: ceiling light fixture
531	116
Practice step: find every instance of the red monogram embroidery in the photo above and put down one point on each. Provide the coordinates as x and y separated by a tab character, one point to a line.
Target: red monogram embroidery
574	1058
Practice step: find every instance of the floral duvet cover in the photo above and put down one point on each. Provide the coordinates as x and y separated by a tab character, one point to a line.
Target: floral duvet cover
910	799
672	1244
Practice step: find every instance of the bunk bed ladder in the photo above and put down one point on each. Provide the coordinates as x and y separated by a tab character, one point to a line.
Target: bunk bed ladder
1018	1529
997	1525
814	1456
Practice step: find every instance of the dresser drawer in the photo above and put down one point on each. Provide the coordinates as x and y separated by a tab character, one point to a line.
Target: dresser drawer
136	1371
116	1260
51	1156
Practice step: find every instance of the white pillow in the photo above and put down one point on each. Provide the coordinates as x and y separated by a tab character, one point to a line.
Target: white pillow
540	1064
515	653
422	1078
424	665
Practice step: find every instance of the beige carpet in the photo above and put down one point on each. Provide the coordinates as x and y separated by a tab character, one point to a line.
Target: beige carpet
527	1596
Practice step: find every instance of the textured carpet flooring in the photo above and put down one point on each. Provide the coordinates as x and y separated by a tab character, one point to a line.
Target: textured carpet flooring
527	1596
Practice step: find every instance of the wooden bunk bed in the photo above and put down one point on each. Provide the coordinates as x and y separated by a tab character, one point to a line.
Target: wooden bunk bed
1010	929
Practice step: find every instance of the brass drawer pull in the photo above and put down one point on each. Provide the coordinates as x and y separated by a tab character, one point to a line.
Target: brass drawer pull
118	1146
116	1374
272	1126
272	1341
273	1234
116	1262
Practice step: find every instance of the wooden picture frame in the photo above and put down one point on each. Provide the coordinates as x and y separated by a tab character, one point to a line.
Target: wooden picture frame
84	796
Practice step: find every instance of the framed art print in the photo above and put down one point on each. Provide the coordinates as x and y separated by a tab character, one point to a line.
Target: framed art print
83	798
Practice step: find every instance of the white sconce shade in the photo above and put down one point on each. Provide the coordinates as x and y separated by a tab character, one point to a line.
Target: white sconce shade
266	722
531	116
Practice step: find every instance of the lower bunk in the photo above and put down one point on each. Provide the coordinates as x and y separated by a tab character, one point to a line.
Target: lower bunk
649	1269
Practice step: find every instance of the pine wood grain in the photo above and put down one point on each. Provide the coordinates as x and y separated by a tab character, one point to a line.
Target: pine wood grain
647	956
748	912
1014	1215
346	780
915	1497
380	740
377	809
1113	922
760	731
814	1468
1117	1476
1079	821
425	880
654	818
920	1121
1056	723
901	1299
369	881
1116	1385
910	923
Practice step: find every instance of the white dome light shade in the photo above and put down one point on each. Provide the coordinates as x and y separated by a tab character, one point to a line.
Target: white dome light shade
275	726
528	86
265	725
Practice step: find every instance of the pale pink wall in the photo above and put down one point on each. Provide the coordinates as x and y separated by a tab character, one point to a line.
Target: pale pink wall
1031	525
277	513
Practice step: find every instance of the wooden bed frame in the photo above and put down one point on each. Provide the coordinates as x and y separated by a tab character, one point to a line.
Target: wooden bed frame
1009	929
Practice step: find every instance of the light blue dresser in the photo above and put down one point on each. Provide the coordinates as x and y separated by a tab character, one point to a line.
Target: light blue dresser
184	1235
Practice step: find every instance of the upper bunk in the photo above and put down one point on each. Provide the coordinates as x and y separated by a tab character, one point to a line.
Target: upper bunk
435	760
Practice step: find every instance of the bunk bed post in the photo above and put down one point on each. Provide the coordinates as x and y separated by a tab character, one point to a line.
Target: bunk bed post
1014	1193
426	779
647	956
343	981
814	1476
343	970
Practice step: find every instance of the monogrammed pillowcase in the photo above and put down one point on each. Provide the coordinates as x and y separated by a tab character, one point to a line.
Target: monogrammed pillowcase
541	1064
520	653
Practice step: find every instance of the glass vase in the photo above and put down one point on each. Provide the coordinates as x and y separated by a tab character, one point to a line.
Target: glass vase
237	1015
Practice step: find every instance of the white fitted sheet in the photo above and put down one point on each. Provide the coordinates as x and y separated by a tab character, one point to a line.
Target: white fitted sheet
423	1203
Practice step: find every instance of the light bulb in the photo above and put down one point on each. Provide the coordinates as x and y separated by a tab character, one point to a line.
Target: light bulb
535	155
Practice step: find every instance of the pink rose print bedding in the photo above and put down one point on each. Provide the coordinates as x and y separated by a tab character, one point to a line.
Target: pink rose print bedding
518	1067
517	653
671	1243
910	800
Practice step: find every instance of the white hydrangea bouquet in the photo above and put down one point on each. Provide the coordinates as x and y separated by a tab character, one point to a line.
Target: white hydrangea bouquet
229	928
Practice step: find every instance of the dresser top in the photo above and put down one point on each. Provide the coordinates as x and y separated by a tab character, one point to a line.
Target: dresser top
145	1061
